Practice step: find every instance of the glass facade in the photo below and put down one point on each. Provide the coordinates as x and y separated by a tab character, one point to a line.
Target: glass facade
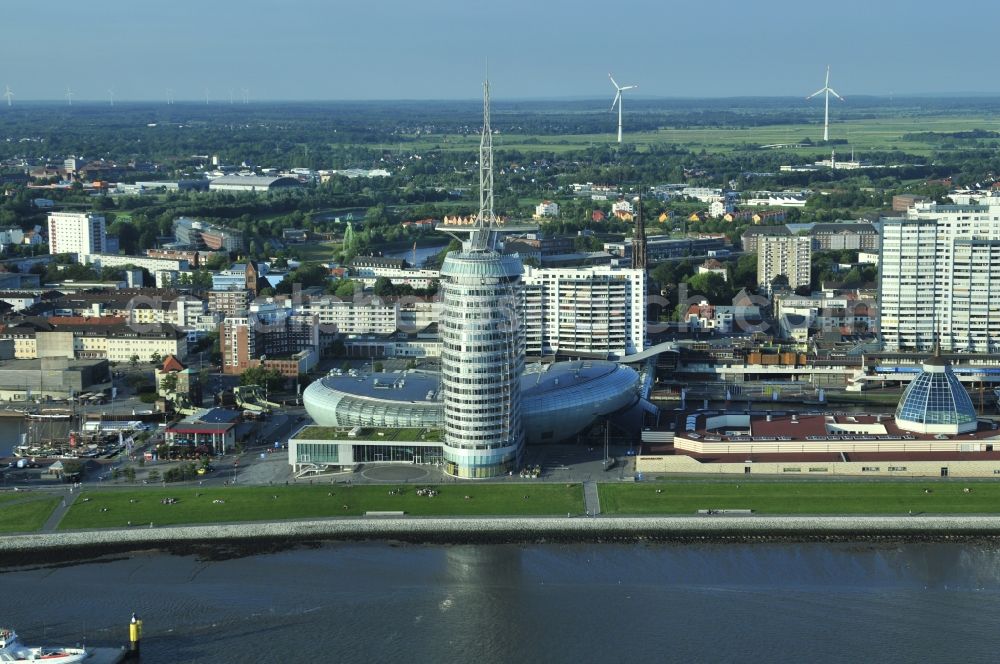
405	453
936	401
317	453
482	359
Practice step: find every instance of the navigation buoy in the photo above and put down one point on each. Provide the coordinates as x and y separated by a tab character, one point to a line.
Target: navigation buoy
134	636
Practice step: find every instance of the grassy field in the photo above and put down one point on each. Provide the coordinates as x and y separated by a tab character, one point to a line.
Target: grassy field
317	252
862	134
683	497
25	511
113	509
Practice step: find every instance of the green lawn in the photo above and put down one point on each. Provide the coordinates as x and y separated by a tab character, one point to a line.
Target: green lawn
766	497
23	512
195	505
316	252
863	134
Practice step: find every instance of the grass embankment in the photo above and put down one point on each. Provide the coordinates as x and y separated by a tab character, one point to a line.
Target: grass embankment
25	512
114	509
684	497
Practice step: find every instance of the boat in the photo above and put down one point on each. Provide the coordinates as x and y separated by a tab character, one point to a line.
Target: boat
12	650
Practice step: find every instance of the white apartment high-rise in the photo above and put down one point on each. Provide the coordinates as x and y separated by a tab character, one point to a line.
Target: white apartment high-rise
939	279
787	255
585	310
80	233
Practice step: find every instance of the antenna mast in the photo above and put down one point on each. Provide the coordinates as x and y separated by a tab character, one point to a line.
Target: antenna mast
483	237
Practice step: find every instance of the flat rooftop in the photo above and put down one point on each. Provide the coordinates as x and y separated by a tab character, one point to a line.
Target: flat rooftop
822	457
813	427
380	434
36	364
412	386
392	385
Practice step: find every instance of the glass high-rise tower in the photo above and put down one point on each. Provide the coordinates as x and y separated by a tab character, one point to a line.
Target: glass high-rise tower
482	355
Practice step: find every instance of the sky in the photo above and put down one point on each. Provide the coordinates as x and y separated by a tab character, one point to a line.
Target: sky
536	49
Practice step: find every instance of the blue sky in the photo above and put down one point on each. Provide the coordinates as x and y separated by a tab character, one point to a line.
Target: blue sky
436	49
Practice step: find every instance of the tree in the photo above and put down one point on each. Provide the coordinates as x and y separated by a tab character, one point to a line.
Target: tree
155	358
168	383
258	375
378	367
345	289
712	286
133	361
383	287
745	272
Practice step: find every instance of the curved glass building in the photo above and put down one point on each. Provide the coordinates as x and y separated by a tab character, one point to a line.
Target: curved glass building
936	402
482	358
558	400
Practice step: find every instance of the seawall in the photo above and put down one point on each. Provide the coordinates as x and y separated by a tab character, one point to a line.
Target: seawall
252	537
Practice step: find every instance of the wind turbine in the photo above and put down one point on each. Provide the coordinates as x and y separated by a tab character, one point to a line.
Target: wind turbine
9	95
69	96
111	96
206	96
618	100
170	96
826	91
246	95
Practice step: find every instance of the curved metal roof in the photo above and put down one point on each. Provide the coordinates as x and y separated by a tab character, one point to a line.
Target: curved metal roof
562	399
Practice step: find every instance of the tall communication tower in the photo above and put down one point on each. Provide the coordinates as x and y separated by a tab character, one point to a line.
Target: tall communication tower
482	356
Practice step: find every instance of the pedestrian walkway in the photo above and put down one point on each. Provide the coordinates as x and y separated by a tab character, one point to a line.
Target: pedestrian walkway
591	498
60	511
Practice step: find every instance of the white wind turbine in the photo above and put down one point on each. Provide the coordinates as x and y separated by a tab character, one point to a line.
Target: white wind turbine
170	96
618	100
826	91
246	95
69	96
111	96
8	94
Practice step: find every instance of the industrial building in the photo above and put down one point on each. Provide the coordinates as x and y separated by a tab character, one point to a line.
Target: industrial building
251	183
51	378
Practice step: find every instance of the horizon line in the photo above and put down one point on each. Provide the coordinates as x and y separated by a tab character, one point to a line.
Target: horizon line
567	98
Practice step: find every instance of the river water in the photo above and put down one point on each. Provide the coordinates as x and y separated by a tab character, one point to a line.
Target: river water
379	602
422	254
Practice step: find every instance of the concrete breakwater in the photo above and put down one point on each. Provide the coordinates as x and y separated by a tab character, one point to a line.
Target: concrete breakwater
267	535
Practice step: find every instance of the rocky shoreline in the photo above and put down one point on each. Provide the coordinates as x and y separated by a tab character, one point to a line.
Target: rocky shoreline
251	538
